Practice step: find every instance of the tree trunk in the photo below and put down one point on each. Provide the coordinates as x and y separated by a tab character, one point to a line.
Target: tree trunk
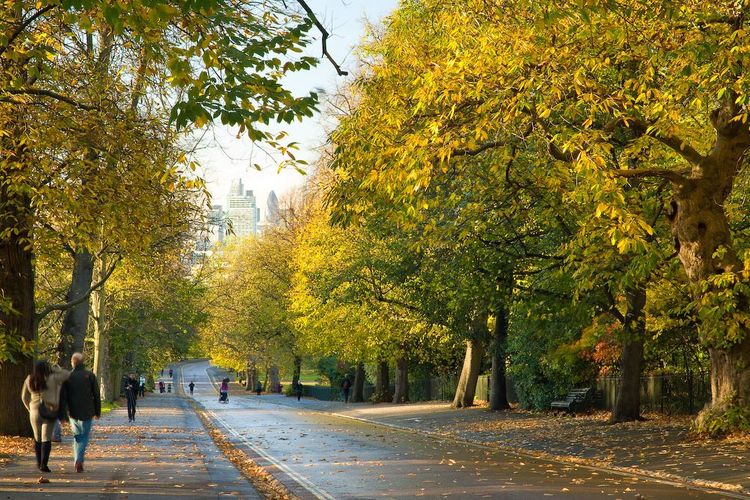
628	403
498	384
467	382
17	320
101	340
358	394
382	383
297	370
75	322
475	347
703	240
401	395
274	381
251	378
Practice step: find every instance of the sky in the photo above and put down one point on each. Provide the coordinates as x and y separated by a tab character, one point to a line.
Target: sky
224	157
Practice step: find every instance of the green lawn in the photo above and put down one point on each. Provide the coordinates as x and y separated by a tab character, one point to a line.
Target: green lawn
307	377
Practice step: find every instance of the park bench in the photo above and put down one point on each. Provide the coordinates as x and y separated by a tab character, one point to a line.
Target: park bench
575	400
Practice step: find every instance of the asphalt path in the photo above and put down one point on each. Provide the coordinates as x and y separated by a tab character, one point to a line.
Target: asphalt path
317	455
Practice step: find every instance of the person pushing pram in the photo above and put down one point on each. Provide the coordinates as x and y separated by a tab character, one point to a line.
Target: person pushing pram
224	391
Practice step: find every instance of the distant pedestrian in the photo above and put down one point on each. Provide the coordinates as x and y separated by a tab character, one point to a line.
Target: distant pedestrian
191	385
81	401
298	390
258	387
170	373
131	394
346	385
223	391
161	387
142	386
41	397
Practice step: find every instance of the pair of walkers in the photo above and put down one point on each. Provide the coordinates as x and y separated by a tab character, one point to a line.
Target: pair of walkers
51	393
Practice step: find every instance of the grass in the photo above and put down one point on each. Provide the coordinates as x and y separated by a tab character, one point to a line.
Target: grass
307	377
108	407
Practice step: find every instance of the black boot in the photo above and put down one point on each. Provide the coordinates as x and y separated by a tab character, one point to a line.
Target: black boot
46	450
38	452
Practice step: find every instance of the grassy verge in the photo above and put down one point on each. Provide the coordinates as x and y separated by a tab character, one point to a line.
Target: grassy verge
108	407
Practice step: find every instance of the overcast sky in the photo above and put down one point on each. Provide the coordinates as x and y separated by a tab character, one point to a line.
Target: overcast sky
224	157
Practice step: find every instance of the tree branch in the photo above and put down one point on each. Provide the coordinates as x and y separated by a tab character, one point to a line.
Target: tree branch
675	143
50	94
62	307
325	35
670	175
23	25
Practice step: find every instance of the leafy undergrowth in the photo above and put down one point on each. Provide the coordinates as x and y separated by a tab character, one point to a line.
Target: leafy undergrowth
108	407
262	480
10	447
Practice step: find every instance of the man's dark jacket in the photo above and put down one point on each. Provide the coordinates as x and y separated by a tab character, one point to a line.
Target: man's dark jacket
80	395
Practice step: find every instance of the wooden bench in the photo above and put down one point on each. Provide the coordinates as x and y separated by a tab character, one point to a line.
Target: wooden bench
575	400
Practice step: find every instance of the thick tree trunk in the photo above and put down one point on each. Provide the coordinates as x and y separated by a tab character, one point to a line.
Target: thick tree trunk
628	403
703	239
475	347
401	394
498	383
17	321
382	383
358	393
467	382
75	322
251	378
297	370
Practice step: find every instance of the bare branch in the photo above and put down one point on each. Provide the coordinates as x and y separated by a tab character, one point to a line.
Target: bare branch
325	35
675	143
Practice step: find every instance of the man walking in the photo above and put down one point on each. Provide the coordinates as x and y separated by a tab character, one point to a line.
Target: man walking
131	394
191	385
80	399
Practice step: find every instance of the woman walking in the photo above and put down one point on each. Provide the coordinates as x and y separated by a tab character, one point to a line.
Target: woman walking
41	397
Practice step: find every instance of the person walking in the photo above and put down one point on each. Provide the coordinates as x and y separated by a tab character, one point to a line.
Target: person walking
142	386
131	393
161	387
223	391
170	373
191	385
41	397
298	390
258	387
345	386
81	401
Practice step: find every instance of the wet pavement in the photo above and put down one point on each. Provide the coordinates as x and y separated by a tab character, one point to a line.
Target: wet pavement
317	455
164	454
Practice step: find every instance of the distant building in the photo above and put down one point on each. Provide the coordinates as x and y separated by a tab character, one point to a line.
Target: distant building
273	216
216	224
242	211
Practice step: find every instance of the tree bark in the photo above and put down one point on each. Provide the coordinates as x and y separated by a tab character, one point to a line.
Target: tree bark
628	403
358	393
703	239
498	384
274	381
401	395
297	370
16	319
101	340
75	321
475	348
251	378
382	383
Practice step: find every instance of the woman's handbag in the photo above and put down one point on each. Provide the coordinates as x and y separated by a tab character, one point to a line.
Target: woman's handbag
46	413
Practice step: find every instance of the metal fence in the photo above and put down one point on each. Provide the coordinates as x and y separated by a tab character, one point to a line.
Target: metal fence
673	393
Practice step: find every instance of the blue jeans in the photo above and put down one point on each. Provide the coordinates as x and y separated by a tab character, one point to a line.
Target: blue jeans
81	431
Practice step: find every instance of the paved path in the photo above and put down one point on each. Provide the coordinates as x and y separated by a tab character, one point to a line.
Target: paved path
165	454
661	446
325	456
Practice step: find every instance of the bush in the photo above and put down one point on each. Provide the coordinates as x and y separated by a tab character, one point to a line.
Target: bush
722	419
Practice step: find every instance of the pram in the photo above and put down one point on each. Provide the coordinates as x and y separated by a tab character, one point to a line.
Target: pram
223	397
